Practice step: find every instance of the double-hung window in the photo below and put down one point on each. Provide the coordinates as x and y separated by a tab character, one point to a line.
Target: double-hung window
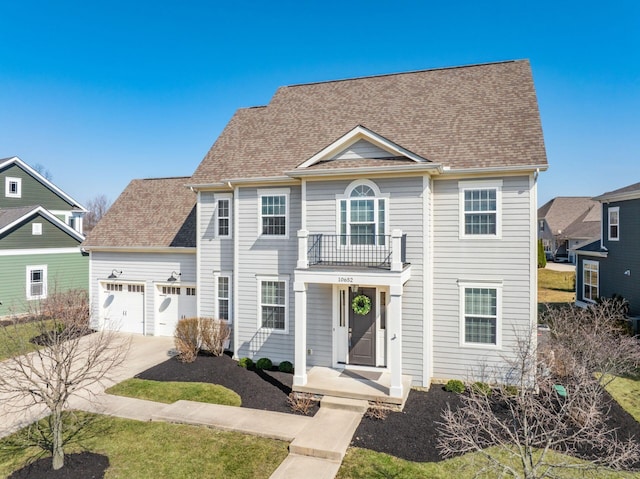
36	282
480	209
590	280
614	223
273	212
273	297
362	217
224	297
480	318
224	217
13	187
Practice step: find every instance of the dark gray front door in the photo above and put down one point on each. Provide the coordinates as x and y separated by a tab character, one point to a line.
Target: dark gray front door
362	331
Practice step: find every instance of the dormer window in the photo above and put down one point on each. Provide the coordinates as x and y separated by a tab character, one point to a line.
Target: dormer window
362	215
13	187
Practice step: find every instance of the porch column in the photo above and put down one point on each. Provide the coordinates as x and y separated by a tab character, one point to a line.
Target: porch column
394	324
303	247
300	376
396	250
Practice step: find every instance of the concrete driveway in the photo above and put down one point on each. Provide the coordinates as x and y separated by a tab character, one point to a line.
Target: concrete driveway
561	266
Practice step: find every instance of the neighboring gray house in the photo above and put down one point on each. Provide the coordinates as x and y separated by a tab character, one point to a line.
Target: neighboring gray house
567	222
611	265
384	224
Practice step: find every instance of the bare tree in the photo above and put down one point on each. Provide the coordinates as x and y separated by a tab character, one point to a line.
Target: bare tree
40	168
73	359
97	207
516	427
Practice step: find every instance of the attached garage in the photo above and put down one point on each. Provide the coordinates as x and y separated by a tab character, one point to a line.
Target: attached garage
122	306
172	304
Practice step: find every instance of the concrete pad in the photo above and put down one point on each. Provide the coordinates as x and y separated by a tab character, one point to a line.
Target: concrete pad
296	467
347	404
119	406
274	425
328	436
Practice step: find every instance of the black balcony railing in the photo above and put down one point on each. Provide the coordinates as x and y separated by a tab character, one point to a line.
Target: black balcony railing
373	251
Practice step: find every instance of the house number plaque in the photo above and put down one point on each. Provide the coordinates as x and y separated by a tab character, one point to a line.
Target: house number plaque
345	279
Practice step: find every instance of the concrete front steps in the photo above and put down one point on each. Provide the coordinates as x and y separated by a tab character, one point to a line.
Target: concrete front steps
322	444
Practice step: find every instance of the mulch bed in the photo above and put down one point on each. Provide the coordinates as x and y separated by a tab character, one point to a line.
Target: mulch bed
258	389
84	465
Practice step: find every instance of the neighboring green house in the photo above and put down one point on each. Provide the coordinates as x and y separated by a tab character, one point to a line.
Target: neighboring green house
40	236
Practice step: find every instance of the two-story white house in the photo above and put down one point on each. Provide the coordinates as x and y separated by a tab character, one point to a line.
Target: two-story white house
384	225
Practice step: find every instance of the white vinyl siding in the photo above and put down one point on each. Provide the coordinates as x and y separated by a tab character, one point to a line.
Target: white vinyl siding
459	260
590	280
614	223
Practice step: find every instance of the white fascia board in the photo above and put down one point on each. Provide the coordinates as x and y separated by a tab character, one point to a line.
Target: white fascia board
494	169
360	133
140	249
432	168
207	186
594	254
17	161
36	251
40	210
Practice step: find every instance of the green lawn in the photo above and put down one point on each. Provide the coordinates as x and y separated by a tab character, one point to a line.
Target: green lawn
170	392
153	450
556	286
626	392
14	338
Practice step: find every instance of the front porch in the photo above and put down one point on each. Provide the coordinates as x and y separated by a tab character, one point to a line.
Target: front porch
354	384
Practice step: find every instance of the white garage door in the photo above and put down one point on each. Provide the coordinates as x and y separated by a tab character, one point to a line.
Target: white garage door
173	303
122	307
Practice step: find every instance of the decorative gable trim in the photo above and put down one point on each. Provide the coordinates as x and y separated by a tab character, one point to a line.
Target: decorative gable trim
21	164
40	210
355	135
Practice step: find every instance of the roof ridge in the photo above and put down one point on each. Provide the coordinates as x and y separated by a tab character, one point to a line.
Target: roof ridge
381	75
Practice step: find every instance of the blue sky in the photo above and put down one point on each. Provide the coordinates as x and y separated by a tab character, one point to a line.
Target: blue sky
103	92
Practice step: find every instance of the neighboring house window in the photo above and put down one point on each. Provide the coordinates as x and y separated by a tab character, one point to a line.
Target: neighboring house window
224	217
36	282
13	187
480	319
224	297
36	229
273	304
273	212
541	222
480	208
614	223
590	280
362	215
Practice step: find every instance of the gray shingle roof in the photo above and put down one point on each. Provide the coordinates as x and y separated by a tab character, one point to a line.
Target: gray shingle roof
9	215
465	117
150	213
620	191
562	211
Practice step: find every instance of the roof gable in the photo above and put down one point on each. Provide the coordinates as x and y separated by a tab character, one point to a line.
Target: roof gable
479	116
562	211
11	218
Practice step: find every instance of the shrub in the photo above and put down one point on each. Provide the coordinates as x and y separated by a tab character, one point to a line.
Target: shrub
455	386
377	410
301	402
481	388
246	363
511	390
264	363
285	367
214	333
186	339
542	257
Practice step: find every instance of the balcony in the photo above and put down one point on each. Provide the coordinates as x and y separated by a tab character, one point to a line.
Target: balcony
386	252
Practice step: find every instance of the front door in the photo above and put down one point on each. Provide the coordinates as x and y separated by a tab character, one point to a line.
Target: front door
362	329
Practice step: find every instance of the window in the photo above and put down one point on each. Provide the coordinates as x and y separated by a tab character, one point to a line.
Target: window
223	297
614	223
191	291
167	290
36	229
273	304
273	212
479	208
590	280
224	217
36	282
13	187
362	215
480	314
113	287
139	288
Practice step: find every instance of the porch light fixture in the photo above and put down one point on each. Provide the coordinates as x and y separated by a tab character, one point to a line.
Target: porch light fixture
114	274
173	278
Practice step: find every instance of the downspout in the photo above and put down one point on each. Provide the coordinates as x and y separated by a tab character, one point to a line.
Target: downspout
236	272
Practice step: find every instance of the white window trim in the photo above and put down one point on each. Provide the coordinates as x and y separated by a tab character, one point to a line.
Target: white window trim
7	181
480	185
228	197
615	209
284	279
597	265
44	281
36	229
217	276
346	196
462	285
274	192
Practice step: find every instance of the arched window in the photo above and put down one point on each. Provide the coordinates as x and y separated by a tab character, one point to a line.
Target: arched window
362	215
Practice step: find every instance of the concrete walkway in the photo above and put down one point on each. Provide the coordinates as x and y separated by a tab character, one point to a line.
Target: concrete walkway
317	444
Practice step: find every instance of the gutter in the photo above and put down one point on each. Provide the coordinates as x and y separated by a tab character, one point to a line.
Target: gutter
141	249
381	170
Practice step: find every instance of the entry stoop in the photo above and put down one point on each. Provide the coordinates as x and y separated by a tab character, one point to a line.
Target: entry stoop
329	434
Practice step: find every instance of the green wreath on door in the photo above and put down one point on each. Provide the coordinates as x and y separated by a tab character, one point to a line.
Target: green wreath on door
361	305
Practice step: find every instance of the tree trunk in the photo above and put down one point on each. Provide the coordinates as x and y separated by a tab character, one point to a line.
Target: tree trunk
58	452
